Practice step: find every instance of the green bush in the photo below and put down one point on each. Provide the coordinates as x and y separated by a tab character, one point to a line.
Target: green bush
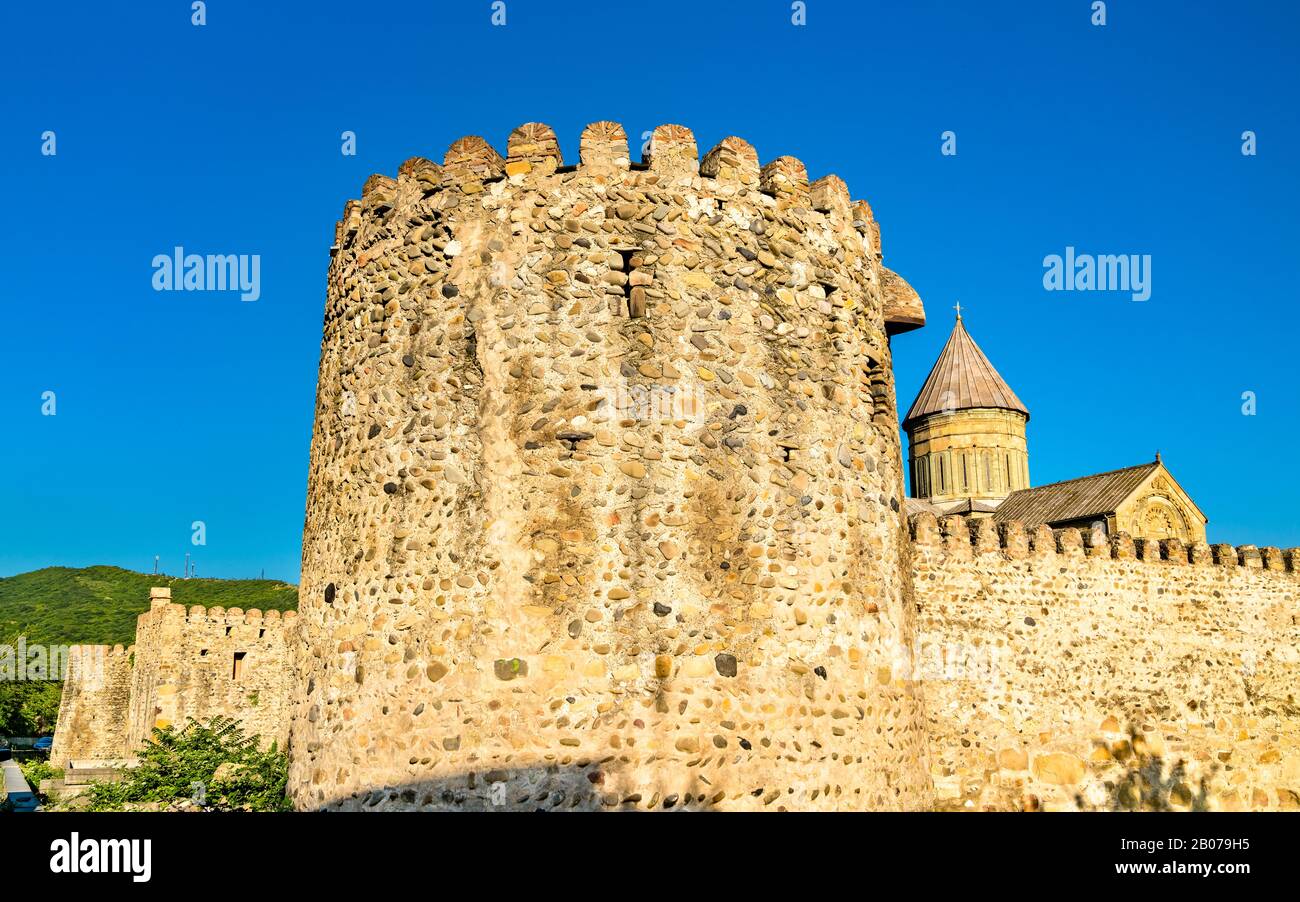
178	765
36	769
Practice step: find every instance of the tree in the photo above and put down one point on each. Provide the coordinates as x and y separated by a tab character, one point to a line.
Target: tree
215	766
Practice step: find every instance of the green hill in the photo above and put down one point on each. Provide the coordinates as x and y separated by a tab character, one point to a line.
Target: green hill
98	605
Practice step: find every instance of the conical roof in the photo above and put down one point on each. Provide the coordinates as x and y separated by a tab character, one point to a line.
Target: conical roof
962	379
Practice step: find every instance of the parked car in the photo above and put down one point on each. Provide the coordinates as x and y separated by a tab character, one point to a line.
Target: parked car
43	744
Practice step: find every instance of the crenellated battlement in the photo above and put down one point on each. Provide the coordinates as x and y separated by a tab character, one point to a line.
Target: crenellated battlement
100	651
162	609
218	615
1055	647
962	538
533	161
626	205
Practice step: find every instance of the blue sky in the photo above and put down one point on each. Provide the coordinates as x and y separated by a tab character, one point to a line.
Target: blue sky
177	407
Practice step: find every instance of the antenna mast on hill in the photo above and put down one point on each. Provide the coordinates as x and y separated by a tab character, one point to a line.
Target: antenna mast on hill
187	565
155	565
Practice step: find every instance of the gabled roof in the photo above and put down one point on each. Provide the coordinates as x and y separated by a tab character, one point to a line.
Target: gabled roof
1075	499
962	379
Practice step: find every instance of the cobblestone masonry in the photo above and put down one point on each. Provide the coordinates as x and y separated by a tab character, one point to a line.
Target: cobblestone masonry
1054	665
93	710
603	498
203	662
199	663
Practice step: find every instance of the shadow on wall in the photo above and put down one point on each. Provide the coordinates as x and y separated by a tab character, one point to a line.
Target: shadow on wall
1148	785
541	788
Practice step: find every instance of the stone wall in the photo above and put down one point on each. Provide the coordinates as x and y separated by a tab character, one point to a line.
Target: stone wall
197	663
93	720
1058	666
603	493
202	663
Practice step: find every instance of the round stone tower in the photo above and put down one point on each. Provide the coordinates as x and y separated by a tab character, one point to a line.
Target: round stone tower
603	507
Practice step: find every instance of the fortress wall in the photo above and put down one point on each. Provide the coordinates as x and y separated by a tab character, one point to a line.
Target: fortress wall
1055	663
92	723
202	663
182	665
602	504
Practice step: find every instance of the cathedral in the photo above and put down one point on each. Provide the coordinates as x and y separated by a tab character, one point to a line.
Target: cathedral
968	455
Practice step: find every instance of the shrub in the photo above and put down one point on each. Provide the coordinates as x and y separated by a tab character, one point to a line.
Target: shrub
214	765
36	769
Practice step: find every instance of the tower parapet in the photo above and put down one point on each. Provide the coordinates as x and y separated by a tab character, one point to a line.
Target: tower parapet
603	504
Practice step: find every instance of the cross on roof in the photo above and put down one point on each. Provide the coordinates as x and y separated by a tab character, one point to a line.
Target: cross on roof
958	309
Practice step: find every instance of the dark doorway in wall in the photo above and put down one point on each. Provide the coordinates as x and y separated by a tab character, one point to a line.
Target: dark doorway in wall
237	670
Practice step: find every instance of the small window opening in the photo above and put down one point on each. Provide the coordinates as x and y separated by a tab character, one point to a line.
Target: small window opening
633	301
238	669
